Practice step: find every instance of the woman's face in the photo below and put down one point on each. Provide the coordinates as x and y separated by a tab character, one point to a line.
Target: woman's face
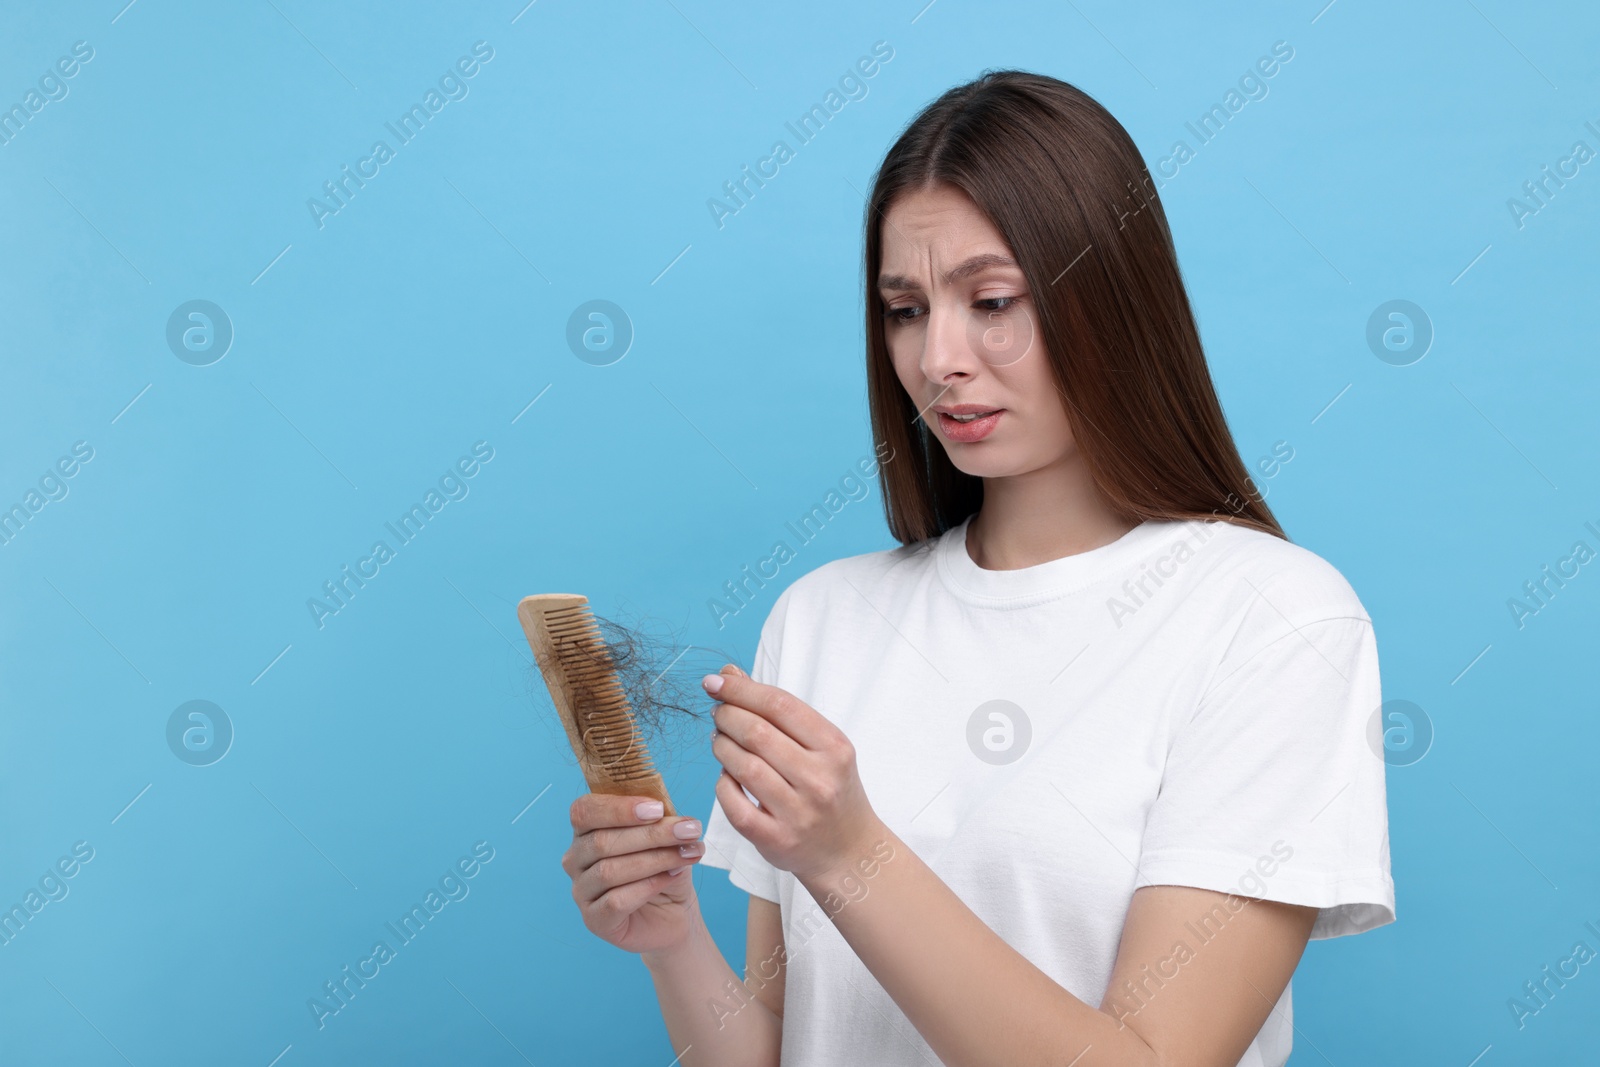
963	334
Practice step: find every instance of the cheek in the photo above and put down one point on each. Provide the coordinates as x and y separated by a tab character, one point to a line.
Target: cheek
1061	428
1033	382
904	356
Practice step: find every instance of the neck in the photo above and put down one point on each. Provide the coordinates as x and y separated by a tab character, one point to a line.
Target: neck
1045	514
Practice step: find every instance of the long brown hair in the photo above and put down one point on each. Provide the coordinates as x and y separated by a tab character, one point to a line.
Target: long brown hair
1067	189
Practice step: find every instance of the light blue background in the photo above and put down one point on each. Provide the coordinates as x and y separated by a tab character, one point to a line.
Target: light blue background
431	310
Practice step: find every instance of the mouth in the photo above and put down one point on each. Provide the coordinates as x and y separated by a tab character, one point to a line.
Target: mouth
966	423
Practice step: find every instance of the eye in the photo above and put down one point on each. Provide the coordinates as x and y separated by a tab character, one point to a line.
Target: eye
989	303
902	315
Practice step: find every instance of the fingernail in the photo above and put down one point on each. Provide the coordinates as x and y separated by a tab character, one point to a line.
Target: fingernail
687	829
678	870
646	810
690	851
713	683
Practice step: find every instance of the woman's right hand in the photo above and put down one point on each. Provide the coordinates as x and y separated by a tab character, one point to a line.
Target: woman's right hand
630	871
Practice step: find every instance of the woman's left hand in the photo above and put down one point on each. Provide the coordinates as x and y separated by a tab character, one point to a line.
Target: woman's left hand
814	815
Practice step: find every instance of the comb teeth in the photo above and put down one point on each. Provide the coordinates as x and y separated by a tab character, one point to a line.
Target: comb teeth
581	675
605	718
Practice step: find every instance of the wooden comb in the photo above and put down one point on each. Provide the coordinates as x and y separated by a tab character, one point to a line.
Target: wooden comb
582	679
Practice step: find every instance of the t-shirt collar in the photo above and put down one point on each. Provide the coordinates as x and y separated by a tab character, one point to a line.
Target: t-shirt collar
1042	581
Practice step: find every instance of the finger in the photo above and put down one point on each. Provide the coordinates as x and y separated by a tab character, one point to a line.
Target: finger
616	841
778	706
761	738
755	824
624	900
594	811
610	872
754	773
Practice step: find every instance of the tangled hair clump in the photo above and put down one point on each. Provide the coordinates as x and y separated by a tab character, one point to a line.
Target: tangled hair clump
661	677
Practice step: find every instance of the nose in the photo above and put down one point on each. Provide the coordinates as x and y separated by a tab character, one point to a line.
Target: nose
947	355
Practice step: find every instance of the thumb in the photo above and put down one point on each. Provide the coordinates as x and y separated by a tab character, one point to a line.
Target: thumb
732	670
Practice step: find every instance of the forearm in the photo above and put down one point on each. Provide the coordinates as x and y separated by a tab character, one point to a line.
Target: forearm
971	996
712	1018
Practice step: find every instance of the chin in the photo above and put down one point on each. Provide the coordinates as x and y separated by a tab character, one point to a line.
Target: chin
996	459
984	462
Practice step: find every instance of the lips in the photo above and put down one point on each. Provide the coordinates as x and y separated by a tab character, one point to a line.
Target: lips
967	423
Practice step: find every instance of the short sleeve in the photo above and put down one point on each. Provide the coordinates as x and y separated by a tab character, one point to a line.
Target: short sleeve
726	847
1273	789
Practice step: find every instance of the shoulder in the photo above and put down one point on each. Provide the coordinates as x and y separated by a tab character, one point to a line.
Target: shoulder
861	579
1260	568
1250	590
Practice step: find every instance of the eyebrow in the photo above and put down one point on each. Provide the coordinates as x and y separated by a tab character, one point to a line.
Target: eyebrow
956	273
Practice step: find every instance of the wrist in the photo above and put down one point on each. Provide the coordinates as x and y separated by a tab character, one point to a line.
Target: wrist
846	876
663	958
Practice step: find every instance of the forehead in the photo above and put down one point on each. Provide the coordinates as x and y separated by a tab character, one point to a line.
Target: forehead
939	223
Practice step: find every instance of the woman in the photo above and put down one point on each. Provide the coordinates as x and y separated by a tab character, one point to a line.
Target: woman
1073	774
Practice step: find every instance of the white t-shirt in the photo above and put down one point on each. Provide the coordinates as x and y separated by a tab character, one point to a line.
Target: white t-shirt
1191	704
